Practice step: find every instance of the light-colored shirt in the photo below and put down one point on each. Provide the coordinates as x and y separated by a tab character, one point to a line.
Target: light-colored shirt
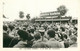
21	44
73	45
52	43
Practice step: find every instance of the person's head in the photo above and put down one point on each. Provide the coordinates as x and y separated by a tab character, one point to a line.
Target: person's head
32	30
5	32
24	28
24	35
37	36
56	29
42	31
73	39
11	27
5	28
75	28
29	31
51	33
62	29
65	37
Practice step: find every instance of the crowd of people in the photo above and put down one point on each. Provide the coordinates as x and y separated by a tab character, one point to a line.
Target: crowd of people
39	35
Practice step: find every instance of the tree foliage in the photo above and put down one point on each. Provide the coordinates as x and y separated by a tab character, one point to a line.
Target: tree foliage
21	14
28	16
62	9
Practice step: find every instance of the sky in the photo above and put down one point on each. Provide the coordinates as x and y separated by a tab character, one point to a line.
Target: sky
11	8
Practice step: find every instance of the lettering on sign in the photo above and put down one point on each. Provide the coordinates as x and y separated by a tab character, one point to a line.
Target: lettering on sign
50	14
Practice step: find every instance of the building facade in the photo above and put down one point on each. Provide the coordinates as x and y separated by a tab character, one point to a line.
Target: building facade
52	17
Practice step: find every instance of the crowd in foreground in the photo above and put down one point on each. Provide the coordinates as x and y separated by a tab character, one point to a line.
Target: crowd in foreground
39	35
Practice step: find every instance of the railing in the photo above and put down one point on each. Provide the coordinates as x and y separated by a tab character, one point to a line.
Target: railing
53	19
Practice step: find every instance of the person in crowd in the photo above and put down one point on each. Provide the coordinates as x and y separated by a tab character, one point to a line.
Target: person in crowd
6	38
75	31
42	32
62	33
73	41
11	27
66	41
40	45
39	35
53	43
40	40
32	32
8	41
25	39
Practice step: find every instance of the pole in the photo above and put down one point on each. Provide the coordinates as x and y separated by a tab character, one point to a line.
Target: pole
60	20
3	7
52	20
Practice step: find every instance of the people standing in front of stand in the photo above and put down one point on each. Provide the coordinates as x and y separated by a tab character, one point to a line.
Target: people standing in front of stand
54	36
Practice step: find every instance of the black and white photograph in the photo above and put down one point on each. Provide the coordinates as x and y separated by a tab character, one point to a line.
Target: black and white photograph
40	24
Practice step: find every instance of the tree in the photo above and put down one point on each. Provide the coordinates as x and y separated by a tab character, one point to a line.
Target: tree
21	14
28	16
33	20
62	9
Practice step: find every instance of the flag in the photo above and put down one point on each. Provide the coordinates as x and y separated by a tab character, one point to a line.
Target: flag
4	16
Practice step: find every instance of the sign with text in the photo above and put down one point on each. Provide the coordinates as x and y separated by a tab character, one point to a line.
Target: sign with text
46	14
